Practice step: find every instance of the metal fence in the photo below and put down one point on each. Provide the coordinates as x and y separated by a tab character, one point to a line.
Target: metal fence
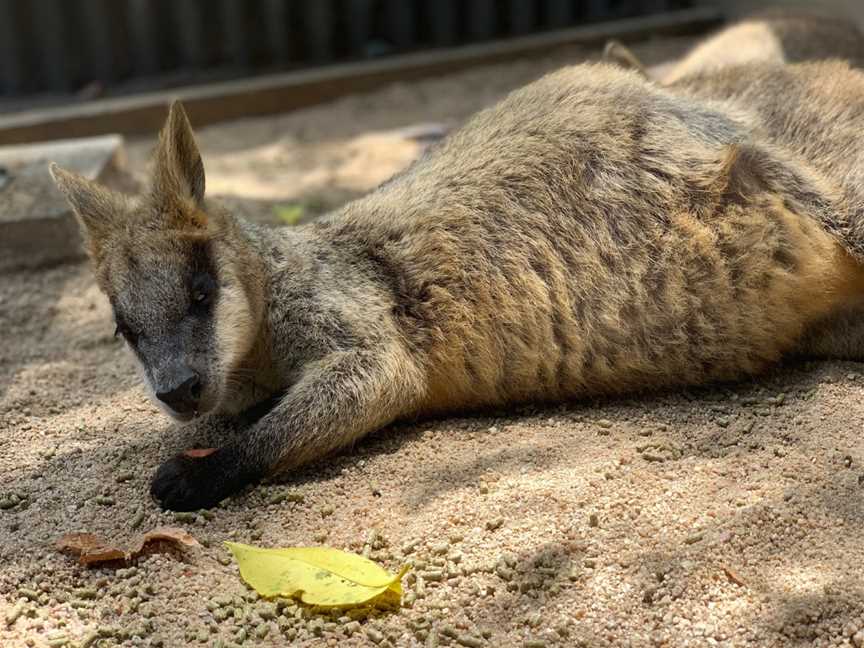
64	45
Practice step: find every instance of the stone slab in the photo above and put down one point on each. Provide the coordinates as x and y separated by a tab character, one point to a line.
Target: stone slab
37	228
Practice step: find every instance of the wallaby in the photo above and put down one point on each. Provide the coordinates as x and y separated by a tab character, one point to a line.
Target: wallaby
768	37
593	233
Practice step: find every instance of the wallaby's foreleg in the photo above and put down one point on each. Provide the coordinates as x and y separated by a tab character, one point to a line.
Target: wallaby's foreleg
336	402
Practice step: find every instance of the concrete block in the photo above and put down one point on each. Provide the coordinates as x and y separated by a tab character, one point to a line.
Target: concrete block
37	228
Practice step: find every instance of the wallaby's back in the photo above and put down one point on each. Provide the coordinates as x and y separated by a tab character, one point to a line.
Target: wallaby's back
594	233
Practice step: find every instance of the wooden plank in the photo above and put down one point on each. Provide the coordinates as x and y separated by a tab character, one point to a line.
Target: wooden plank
442	18
12	50
318	29
142	32
56	65
278	34
279	93
234	29
560	13
188	16
359	27
401	19
523	17
481	19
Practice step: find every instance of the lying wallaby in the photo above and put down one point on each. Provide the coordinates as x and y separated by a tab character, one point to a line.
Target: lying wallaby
769	37
593	233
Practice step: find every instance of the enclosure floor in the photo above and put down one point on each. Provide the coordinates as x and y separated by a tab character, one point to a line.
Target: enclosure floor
729	516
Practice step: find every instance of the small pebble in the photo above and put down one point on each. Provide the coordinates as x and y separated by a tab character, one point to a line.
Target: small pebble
492	525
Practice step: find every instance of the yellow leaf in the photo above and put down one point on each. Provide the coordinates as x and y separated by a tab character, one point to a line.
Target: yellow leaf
289	214
317	575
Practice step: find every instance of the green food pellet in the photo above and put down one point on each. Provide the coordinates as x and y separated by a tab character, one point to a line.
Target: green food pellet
13	614
85	594
89	639
449	631
33	595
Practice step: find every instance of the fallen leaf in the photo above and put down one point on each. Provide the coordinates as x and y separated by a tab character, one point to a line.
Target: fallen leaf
198	453
289	214
92	550
316	575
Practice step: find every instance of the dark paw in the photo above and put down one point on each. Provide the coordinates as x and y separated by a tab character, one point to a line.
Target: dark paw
197	480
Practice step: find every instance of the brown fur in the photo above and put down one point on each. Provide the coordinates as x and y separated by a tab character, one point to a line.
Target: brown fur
593	233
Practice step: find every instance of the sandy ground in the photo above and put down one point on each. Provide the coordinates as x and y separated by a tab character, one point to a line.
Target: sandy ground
727	516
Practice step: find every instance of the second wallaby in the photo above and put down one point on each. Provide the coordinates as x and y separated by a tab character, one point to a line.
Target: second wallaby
593	233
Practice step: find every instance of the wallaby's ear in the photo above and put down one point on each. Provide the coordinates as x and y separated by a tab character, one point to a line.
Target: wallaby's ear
98	210
178	175
618	53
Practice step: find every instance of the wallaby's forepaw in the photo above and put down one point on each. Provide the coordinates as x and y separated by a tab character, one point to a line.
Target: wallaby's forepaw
198	479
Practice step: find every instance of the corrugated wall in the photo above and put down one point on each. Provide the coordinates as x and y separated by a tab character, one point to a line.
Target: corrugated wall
64	45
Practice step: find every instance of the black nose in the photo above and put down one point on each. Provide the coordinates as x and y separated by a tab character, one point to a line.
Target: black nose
183	396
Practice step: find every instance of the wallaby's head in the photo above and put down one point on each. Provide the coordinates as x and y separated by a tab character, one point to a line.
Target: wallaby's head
183	286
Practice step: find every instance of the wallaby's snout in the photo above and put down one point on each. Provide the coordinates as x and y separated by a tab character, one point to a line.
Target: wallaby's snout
181	391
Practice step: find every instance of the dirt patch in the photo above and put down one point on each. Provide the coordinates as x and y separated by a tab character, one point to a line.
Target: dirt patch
728	516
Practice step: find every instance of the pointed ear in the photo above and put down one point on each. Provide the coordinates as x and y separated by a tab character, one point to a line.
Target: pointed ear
178	175
98	210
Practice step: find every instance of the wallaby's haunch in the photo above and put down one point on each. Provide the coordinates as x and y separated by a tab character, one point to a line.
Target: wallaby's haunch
591	234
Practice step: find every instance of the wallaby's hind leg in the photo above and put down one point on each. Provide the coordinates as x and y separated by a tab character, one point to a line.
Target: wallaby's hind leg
839	337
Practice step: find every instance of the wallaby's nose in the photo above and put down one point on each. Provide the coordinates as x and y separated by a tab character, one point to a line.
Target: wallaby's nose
183	396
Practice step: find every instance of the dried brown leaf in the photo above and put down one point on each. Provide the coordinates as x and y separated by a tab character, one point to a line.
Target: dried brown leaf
93	550
197	453
734	577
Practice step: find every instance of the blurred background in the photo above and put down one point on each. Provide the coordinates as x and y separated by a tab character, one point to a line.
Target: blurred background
91	45
89	48
298	105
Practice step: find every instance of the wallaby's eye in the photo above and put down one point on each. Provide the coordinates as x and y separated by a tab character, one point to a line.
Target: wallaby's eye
201	291
129	336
